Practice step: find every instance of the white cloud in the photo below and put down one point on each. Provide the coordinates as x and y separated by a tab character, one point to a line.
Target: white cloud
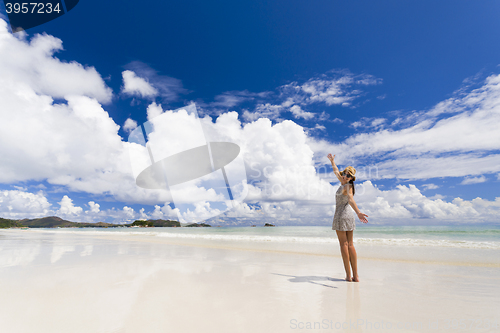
137	86
473	180
154	110
437	196
267	110
430	186
129	125
20	204
33	64
68	208
94	207
230	99
299	113
166	87
316	128
280	161
156	214
331	88
369	123
129	212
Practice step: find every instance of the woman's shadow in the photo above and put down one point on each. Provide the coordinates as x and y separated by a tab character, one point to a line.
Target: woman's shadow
311	279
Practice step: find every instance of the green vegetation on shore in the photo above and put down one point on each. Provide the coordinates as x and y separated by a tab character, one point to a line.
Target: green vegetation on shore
198	225
156	223
57	222
5	223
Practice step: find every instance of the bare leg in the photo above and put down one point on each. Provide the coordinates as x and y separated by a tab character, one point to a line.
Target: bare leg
344	250
353	258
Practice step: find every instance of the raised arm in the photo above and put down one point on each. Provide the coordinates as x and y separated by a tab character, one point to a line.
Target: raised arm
335	169
362	217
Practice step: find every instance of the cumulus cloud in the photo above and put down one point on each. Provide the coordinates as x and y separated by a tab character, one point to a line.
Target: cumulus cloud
400	205
68	208
406	203
137	86
17	204
166	87
33	64
20	204
94	207
279	161
129	125
154	110
129	212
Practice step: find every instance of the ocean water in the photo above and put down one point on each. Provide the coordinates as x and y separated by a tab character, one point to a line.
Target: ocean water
473	237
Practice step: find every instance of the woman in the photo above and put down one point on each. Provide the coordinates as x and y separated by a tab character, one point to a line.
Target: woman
343	220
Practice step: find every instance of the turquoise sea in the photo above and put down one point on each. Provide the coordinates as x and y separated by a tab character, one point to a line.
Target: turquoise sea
465	237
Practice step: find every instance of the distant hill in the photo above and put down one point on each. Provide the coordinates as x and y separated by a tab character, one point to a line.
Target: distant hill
57	222
54	222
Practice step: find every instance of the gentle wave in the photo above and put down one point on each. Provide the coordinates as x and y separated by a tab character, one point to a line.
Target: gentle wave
431	232
297	239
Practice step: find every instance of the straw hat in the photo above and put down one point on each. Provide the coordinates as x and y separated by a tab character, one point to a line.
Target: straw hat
350	171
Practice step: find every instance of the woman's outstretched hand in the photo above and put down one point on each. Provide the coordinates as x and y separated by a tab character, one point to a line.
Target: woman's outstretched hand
362	217
330	157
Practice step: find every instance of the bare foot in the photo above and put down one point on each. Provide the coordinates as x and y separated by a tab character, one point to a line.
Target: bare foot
355	279
348	279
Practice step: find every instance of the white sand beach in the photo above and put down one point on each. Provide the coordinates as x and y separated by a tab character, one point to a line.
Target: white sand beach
52	281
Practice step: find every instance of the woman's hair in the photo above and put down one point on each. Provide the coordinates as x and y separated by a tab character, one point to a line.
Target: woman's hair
350	171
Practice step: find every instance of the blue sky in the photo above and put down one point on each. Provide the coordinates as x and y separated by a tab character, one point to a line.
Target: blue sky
408	88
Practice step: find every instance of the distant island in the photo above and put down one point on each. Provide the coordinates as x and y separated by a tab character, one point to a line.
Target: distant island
198	225
57	222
